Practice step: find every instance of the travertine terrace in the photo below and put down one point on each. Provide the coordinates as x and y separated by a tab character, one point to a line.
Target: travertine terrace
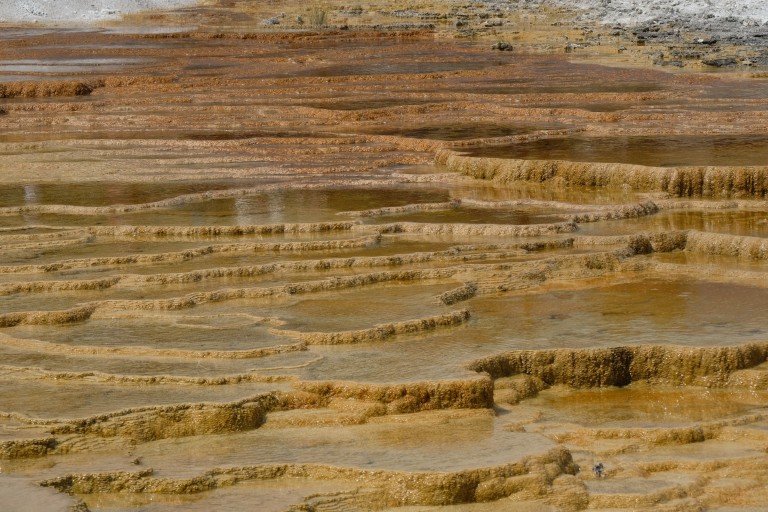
248	263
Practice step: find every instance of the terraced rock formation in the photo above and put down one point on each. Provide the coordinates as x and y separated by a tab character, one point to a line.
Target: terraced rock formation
360	270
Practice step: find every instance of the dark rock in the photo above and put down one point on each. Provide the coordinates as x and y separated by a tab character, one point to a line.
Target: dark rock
354	11
687	55
409	13
571	47
719	63
502	46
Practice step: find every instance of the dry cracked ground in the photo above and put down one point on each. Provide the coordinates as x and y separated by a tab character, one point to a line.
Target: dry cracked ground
248	263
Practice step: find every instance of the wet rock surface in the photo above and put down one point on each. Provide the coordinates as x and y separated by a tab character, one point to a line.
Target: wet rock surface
294	266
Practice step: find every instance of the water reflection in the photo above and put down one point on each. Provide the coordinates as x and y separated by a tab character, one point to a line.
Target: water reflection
640	405
459	131
657	151
649	312
741	223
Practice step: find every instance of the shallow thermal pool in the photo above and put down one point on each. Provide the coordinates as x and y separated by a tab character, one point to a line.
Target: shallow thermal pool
741	222
651	150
